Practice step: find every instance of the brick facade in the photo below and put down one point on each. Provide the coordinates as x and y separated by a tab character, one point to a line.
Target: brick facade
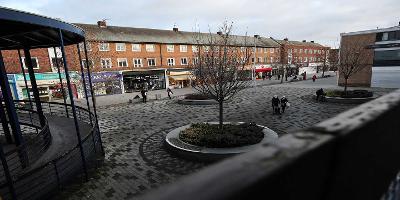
362	77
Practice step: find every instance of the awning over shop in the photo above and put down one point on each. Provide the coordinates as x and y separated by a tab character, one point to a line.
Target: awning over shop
268	69
180	77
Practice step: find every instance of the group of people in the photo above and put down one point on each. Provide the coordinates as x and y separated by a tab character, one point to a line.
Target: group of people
279	105
143	92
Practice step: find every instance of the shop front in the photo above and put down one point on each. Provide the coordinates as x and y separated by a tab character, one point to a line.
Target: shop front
178	79
134	81
48	85
106	83
263	71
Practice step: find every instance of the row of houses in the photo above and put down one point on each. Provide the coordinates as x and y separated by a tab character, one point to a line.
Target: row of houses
126	59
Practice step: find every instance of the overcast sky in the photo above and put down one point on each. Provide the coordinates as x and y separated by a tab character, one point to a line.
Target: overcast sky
321	21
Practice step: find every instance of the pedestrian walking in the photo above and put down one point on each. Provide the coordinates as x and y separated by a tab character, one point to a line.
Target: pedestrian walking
313	78
169	92
284	103
144	95
275	105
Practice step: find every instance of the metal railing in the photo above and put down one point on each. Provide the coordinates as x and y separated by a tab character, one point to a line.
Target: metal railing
43	180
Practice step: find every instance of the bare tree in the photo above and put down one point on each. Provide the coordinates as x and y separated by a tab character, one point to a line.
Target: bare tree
353	58
323	59
220	67
333	59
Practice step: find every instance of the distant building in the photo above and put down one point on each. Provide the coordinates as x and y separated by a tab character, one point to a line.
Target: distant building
384	50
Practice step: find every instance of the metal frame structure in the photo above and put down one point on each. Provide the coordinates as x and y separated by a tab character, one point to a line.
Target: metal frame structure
26	31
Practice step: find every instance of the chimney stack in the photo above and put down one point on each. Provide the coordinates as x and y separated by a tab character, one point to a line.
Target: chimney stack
256	36
312	41
286	39
102	24
219	33
175	29
304	41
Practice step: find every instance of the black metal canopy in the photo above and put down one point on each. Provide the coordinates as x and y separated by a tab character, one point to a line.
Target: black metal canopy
20	29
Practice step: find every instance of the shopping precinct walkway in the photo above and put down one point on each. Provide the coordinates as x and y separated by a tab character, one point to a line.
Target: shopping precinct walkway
136	161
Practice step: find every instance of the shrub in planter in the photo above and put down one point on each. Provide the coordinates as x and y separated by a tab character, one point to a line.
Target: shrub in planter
349	94
232	135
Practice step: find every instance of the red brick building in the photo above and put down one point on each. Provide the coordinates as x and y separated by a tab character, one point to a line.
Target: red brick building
380	47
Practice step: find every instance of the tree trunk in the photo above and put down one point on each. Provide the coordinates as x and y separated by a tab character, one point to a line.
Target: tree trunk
323	70
345	85
221	114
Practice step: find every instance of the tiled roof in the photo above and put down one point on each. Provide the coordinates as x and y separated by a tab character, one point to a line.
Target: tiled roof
299	43
146	35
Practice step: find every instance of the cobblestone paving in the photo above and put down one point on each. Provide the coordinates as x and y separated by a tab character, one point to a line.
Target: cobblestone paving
133	137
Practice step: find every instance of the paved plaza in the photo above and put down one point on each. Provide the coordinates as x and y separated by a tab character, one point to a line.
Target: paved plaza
136	160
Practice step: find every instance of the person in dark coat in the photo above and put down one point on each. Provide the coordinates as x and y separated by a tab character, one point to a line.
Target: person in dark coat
314	77
320	93
275	105
144	95
284	102
169	92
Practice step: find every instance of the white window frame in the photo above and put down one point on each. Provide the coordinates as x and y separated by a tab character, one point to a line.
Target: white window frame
138	64
91	63
195	48
122	59
170	48
301	51
169	63
120	45
137	50
195	60
271	50
385	36
272	59
186	59
183	48
88	46
150	48
265	50
148	62
259	60
101	63
32	58
101	47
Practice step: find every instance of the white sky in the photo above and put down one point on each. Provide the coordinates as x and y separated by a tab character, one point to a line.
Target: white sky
321	21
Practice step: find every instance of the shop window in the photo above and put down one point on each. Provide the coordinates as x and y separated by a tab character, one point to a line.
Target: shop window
136	47
183	48
150	48
170	48
104	46
120	47
137	62
35	62
122	62
184	61
105	62
170	61
151	62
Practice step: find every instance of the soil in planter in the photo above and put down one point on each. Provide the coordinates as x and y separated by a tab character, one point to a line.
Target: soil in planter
349	94
233	135
197	97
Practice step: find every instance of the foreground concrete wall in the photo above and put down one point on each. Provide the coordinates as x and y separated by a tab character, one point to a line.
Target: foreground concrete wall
351	156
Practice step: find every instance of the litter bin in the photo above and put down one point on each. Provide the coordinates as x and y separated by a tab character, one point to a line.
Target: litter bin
158	96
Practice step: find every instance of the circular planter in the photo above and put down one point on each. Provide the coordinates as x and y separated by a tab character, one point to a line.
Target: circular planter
197	102
205	154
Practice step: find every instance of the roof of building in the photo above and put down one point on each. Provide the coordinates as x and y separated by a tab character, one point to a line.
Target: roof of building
146	35
378	30
299	43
